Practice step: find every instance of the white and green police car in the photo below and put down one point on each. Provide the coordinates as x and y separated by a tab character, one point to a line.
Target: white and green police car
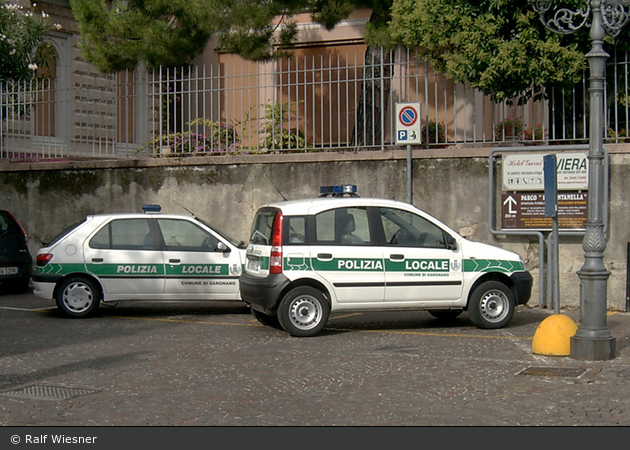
143	256
308	258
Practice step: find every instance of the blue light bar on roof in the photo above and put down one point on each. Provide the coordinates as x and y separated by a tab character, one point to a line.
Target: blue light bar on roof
338	190
325	190
151	208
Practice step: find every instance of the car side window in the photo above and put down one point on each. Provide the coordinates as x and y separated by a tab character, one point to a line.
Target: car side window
123	234
406	229
342	226
296	230
182	235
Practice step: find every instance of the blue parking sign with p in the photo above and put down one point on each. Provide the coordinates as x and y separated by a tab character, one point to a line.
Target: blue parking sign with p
402	135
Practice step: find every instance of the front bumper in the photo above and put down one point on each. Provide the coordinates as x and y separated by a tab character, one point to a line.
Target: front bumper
523	282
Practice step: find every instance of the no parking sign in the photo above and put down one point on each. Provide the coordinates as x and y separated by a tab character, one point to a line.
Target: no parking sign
408	130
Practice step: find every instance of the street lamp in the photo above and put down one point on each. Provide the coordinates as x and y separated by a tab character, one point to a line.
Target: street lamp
593	340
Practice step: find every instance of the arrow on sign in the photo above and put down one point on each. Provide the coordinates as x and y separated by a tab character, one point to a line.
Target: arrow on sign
510	201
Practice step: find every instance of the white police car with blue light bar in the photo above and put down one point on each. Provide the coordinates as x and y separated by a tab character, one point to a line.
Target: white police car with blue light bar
340	252
108	258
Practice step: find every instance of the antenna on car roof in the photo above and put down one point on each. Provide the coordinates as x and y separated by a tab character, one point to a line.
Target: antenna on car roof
276	187
182	206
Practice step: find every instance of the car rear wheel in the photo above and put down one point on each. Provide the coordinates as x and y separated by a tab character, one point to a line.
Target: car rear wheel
266	319
78	297
491	305
303	311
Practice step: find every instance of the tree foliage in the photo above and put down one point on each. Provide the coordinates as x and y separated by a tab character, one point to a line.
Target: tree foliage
258	30
174	32
262	31
119	35
329	13
497	46
158	32
21	33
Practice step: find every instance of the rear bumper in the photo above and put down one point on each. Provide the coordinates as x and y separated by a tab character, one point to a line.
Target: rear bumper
24	270
44	285
523	282
262	294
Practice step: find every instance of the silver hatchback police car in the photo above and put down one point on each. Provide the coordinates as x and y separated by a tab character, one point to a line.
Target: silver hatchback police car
141	256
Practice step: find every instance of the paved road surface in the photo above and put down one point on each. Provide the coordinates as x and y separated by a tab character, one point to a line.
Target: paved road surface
214	365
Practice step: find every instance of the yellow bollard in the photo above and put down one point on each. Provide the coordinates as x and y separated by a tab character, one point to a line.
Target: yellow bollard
553	336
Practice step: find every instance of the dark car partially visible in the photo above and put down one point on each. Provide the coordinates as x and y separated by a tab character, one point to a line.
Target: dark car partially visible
16	262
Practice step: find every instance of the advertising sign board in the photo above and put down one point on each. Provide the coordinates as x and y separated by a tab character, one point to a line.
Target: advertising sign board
524	172
526	211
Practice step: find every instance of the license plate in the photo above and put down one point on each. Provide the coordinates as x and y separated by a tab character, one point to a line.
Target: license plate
253	264
8	270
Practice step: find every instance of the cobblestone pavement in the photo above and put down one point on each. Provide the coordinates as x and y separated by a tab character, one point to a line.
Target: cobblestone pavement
213	364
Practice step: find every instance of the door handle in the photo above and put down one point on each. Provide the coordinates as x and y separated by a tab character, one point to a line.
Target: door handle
325	256
397	257
174	261
97	260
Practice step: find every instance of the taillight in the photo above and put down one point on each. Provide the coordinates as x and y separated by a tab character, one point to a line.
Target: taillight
43	259
275	259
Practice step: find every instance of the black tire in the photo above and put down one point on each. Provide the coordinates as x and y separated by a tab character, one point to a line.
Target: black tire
303	311
266	319
491	305
445	314
78	297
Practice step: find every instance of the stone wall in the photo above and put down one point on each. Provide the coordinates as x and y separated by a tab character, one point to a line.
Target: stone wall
226	191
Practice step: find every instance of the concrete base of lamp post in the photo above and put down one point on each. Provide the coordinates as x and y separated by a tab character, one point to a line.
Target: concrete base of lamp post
593	349
593	341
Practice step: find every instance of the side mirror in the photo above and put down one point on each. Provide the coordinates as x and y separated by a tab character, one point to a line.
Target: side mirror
222	247
451	243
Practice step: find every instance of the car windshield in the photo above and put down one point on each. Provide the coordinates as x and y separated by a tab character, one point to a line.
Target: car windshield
231	240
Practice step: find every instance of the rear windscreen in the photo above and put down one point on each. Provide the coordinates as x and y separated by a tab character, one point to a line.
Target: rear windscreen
7	224
61	235
262	226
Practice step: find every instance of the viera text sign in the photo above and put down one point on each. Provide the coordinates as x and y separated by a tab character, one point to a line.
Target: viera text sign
524	172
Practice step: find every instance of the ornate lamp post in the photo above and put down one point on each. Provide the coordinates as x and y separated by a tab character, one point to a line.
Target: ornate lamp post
593	340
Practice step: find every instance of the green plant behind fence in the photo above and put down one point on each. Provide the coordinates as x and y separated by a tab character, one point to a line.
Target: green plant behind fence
205	137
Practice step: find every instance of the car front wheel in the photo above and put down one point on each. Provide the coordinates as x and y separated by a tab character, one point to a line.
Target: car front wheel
78	297
491	305
303	311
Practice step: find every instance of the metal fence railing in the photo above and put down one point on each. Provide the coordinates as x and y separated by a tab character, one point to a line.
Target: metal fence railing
299	104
